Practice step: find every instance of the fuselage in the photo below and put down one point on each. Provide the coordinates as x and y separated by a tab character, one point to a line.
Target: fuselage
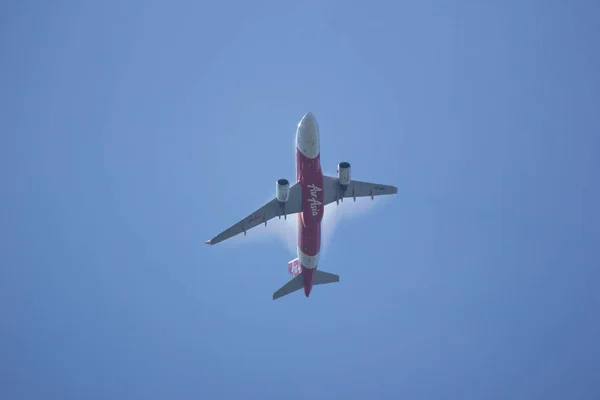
310	177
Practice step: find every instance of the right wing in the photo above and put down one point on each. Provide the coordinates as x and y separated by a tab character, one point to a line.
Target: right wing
334	192
269	211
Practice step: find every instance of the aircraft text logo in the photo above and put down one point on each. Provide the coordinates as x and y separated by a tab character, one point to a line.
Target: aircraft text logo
314	203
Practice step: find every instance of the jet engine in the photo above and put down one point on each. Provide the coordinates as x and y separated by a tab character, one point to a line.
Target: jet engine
283	190
344	173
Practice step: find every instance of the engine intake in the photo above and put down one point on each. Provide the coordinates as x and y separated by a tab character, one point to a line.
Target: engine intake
344	173
283	190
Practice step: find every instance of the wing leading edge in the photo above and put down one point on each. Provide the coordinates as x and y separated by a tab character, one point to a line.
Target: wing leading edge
267	212
334	191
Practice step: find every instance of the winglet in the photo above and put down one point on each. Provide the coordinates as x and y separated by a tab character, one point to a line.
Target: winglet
208	242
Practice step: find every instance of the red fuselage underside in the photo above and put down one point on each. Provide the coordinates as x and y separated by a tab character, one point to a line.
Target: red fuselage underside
310	176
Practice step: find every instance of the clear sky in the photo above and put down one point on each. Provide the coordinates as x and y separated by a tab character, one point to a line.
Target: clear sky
133	131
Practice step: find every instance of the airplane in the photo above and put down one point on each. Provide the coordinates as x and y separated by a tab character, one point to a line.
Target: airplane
307	198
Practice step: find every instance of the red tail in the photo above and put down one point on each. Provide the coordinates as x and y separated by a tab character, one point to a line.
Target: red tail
294	267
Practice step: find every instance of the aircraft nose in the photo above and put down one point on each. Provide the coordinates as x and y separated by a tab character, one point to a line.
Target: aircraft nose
308	123
307	136
309	116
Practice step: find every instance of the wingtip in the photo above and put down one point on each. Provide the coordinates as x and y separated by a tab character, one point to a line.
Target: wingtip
208	242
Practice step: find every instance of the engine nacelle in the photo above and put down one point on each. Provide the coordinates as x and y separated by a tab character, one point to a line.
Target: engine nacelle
283	190
344	173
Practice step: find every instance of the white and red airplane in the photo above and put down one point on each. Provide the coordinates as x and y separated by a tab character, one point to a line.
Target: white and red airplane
307	198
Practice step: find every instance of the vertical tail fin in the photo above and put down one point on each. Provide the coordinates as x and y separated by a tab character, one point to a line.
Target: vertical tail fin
294	267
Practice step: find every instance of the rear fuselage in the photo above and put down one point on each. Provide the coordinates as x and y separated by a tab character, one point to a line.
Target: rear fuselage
310	176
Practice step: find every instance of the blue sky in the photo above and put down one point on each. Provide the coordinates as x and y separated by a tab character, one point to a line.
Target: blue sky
133	131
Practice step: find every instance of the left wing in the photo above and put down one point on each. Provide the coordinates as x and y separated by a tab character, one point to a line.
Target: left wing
334	191
269	211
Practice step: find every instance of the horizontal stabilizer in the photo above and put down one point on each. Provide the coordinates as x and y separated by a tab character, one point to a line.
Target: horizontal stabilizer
321	278
295	284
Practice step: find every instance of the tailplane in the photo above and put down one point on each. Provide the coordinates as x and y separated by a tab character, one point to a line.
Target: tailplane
322	277
297	282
